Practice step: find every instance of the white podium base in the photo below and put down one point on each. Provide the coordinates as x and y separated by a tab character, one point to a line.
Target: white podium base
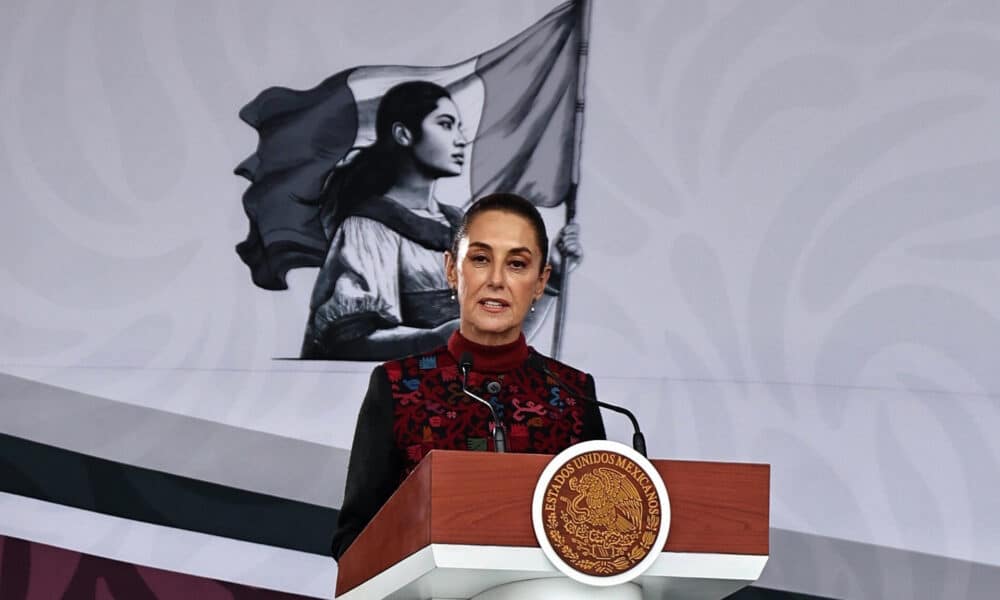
450	572
560	589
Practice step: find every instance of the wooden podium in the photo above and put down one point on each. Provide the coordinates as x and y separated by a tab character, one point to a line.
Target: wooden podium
460	527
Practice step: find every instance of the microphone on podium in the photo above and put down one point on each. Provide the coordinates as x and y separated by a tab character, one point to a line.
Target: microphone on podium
499	438
638	440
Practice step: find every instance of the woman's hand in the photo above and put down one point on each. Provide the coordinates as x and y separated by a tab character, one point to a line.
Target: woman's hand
567	249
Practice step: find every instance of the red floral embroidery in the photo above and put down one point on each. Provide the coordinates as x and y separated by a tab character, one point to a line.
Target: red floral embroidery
432	412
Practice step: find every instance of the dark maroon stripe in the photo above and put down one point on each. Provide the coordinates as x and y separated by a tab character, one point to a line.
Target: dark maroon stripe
33	571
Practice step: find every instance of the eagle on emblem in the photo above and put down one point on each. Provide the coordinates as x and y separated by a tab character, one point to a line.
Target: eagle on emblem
606	498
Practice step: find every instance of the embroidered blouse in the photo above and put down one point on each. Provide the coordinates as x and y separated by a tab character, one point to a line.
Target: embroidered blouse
416	404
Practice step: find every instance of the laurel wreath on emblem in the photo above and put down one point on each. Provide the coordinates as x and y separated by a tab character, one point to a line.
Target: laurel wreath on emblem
604	523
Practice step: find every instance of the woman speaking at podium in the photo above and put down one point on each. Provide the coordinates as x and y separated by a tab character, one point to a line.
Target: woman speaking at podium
498	268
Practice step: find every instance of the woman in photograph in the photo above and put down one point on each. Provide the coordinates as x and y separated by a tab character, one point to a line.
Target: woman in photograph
382	292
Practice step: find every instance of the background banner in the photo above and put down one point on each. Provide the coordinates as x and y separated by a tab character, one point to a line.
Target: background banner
791	242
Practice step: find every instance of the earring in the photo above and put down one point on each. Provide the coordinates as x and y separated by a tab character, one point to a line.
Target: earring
532	307
452	295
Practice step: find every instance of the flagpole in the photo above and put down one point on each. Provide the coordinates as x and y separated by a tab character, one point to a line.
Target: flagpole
581	81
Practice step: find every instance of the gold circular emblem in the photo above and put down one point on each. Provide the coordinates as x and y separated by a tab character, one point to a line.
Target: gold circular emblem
602	513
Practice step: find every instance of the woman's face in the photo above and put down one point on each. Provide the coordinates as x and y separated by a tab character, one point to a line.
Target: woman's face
441	147
497	276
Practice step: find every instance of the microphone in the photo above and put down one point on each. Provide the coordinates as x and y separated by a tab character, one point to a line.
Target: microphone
499	438
638	440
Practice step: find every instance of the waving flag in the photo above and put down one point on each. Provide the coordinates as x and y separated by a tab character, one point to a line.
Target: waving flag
517	101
